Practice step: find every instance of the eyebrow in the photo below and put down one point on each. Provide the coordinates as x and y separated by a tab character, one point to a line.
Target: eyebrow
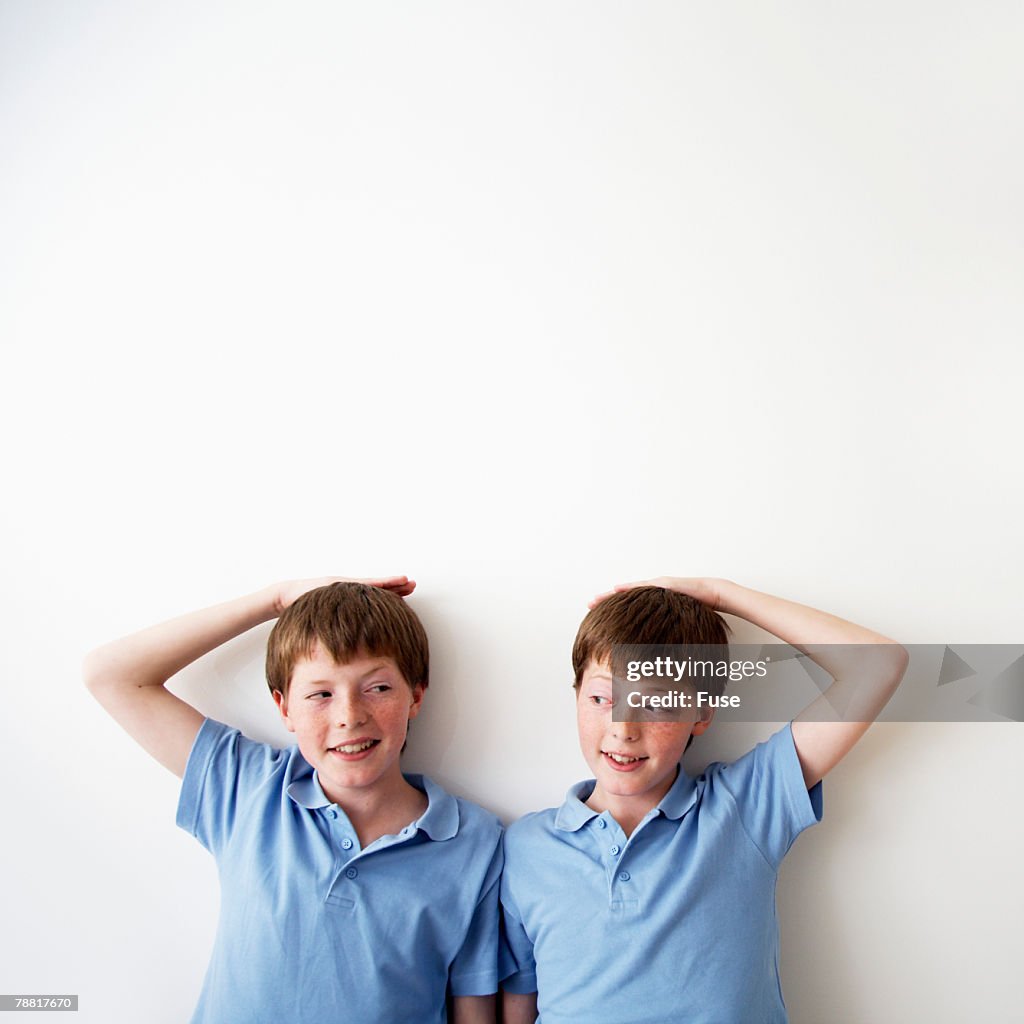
376	667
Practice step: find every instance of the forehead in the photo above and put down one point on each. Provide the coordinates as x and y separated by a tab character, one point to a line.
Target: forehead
597	671
319	664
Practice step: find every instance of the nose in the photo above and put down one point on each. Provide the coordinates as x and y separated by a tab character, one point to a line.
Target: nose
627	731
349	711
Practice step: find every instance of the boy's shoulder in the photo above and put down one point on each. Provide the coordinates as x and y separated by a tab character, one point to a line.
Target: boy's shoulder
478	818
532	823
221	752
528	836
774	755
546	824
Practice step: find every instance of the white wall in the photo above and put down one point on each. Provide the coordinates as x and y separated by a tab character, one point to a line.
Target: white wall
521	300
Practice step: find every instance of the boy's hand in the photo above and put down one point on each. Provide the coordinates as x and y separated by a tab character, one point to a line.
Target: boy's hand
288	593
707	591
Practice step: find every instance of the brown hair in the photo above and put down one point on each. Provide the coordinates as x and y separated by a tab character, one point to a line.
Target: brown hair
349	620
644	616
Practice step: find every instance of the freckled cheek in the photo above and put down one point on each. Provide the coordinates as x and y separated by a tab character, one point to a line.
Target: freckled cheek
591	732
394	718
317	719
665	737
664	730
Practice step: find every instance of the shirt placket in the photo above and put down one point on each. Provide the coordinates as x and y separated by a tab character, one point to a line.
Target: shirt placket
350	857
617	856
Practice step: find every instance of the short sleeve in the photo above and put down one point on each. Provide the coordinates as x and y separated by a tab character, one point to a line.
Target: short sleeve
474	972
774	804
518	969
223	769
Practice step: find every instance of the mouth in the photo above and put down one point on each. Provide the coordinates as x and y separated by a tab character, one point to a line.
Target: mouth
354	751
622	762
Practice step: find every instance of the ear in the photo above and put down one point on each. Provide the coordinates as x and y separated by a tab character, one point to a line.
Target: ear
282	705
702	723
415	701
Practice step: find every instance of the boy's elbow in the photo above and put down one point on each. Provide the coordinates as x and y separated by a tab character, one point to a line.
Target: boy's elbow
94	671
89	670
897	658
901	656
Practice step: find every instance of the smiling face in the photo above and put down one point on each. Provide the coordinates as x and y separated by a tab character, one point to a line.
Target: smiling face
350	721
634	763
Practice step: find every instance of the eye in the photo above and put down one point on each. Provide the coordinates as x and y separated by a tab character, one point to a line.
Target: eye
599	700
318	695
379	687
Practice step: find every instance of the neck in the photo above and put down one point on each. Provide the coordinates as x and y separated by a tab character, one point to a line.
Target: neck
629	811
380	810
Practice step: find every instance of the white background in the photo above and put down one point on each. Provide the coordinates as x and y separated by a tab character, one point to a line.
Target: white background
521	300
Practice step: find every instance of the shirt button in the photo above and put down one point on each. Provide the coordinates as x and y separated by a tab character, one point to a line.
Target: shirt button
332	813
351	873
346	844
623	876
615	851
601	823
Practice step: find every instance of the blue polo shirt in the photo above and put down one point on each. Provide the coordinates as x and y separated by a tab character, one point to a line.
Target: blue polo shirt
675	923
313	928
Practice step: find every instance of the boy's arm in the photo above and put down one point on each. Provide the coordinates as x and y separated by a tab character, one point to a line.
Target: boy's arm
128	675
474	1010
518	1008
863	680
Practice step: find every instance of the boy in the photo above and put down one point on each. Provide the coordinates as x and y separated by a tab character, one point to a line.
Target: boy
650	896
349	891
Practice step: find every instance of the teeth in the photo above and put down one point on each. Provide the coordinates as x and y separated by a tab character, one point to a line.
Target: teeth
619	759
353	748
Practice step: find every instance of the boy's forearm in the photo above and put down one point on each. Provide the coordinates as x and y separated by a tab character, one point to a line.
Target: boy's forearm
796	624
866	666
151	656
474	1009
518	1008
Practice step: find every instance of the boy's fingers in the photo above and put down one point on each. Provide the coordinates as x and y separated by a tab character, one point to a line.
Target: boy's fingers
619	587
401	585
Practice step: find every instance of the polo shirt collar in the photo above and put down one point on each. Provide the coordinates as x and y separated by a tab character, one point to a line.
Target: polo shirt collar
680	798
440	820
306	791
574	813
